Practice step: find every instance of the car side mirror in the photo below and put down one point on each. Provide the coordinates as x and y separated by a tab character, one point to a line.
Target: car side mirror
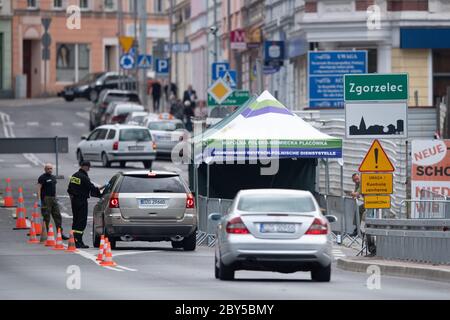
215	217
331	219
83	138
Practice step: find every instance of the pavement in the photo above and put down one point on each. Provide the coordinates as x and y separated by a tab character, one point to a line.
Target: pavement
145	270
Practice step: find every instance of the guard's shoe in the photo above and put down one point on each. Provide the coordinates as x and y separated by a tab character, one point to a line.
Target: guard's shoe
81	245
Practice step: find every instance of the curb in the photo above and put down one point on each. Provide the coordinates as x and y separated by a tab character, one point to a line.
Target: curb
397	269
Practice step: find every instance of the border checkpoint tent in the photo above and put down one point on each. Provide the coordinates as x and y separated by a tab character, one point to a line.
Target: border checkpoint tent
229	156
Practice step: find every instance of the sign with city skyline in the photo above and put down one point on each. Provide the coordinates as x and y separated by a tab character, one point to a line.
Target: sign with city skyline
376	120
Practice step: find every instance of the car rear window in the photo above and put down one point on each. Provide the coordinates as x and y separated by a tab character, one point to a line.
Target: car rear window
143	184
128	109
122	97
135	135
281	203
165	125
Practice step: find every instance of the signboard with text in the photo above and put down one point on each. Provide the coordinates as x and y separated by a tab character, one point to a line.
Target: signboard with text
326	70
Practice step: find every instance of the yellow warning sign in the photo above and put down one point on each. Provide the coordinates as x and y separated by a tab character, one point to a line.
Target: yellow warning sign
377	202
376	160
377	183
126	43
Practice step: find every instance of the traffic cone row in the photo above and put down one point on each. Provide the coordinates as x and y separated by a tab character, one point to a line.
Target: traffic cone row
21	213
50	237
35	219
8	199
108	261
101	250
33	238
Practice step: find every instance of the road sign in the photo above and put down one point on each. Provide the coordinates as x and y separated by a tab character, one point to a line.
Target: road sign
376	87
162	66
376	160
377	202
237	40
326	70
178	47
126	43
220	90
376	120
237	98
46	23
230	77
217	67
46	40
144	61
377	183
127	62
274	53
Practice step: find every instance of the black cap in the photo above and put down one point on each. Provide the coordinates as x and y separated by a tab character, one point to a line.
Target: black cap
85	164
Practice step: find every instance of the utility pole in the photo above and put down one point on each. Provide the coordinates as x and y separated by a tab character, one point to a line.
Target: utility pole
136	46
229	29
119	33
170	47
216	42
143	50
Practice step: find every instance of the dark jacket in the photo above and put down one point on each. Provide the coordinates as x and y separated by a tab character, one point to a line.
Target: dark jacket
81	186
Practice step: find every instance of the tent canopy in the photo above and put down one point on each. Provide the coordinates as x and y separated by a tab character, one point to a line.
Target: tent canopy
265	128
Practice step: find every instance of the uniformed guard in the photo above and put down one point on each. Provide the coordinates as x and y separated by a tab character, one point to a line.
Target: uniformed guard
80	190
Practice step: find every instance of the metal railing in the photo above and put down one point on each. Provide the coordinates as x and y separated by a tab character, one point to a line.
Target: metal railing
207	228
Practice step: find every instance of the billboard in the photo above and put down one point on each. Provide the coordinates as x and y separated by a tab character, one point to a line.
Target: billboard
430	177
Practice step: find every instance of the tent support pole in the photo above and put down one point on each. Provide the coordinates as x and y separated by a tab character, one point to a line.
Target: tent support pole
327	177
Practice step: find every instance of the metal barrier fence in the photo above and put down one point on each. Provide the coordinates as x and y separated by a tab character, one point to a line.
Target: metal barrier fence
206	228
426	240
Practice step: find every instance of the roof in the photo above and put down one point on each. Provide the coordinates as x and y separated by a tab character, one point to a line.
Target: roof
275	192
121	126
146	172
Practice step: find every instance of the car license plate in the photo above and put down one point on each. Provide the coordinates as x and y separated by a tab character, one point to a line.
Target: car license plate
151	203
277	228
136	148
163	138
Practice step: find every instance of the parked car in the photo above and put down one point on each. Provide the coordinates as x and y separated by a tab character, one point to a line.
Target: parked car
146	206
118	143
105	98
166	133
273	230
92	84
136	118
117	112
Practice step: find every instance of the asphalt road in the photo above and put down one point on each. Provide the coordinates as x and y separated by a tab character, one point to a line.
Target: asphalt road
145	270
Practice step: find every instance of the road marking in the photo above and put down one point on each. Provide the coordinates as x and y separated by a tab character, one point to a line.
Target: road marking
84	115
56	124
79	124
134	252
1	160
128	269
32	124
23	165
93	258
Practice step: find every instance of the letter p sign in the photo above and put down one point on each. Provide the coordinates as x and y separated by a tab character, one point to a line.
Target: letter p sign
162	66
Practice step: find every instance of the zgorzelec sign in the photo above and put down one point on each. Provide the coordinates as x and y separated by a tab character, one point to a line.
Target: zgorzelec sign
376	87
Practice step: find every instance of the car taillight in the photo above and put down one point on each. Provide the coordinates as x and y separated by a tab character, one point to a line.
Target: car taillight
154	145
319	226
116	146
190	204
114	201
237	226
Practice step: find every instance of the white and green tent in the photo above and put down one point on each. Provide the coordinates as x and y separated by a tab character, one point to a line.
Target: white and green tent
262	129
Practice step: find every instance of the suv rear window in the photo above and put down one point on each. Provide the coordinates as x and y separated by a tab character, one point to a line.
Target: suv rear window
122	98
165	125
143	184
135	135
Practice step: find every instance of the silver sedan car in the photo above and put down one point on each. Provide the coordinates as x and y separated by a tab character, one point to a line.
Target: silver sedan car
273	230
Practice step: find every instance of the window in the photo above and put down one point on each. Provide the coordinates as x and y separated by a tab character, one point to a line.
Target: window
72	62
32	4
128	135
158	6
110	5
93	135
275	203
144	184
57	4
111	134
110	185
84	4
131	5
102	134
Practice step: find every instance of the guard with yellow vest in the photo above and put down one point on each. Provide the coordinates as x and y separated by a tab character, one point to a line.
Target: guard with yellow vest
80	190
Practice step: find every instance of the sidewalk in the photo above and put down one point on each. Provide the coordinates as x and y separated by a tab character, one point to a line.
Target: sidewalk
28	102
397	268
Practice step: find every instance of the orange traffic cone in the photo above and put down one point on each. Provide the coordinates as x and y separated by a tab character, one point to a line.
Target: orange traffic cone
21	213
33	238
50	237
59	242
9	200
108	261
101	250
71	247
35	219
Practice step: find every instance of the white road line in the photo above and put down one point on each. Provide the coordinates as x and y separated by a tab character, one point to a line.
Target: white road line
125	268
1	160
134	252
22	165
84	115
56	124
93	258
79	124
32	124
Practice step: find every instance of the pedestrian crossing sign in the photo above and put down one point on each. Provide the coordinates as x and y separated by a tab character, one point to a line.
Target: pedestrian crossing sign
230	77
144	61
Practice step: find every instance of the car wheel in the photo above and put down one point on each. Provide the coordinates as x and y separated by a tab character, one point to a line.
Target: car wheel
225	272
321	274
177	244
216	268
93	95
79	157
69	98
190	242
147	164
105	162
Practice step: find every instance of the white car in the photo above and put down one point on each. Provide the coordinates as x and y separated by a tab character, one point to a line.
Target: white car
118	143
136	118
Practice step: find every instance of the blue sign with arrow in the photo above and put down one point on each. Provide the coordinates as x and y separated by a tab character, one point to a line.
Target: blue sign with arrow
127	62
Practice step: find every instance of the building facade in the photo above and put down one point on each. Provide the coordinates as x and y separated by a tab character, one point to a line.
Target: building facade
74	53
6	89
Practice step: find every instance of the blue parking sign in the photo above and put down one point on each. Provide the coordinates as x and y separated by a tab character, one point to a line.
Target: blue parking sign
162	66
217	68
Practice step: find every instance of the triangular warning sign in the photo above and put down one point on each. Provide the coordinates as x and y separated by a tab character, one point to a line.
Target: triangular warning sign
126	43
376	160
